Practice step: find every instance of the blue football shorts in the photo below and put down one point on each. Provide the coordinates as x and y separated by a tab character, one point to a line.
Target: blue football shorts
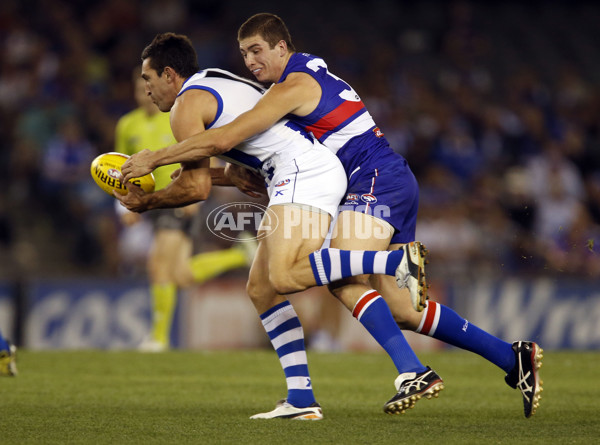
387	189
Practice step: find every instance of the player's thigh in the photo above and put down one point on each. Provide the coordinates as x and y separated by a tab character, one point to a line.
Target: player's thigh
169	244
299	232
180	268
165	248
358	231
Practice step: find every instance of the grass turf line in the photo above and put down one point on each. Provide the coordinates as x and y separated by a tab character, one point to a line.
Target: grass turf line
206	397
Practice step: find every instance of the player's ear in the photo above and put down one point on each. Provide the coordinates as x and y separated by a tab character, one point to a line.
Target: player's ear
169	73
282	48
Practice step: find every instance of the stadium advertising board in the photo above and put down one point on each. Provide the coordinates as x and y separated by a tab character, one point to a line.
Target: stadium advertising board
87	314
555	314
113	315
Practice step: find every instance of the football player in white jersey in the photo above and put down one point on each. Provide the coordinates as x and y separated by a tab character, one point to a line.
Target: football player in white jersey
304	179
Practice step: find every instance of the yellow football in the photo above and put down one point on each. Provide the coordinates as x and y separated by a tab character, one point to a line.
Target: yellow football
106	171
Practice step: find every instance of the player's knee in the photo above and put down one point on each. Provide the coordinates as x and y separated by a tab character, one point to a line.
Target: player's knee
182	280
336	290
252	289
405	317
343	291
404	322
283	283
257	291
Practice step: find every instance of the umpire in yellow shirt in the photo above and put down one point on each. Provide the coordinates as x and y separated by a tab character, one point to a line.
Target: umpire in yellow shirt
170	264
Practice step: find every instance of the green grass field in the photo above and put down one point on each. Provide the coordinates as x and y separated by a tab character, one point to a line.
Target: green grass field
206	398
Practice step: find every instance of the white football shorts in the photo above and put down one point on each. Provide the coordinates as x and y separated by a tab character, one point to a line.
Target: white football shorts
315	179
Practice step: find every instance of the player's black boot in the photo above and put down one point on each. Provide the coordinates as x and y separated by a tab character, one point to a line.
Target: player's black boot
524	375
411	387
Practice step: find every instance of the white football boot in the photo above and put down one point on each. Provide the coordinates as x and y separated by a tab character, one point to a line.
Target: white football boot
283	410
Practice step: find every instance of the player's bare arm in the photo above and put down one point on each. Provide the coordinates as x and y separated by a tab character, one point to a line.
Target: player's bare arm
190	186
217	176
248	182
298	94
189	115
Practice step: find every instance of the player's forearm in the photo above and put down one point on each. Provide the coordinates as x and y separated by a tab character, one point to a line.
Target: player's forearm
158	200
179	193
217	176
195	148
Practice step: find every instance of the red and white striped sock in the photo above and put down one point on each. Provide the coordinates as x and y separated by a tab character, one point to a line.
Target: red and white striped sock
430	319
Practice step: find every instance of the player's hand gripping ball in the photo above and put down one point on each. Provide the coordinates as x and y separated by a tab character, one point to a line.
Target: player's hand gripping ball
106	171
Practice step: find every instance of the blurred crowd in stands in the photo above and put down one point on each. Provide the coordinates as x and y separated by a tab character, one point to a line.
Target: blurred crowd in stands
496	105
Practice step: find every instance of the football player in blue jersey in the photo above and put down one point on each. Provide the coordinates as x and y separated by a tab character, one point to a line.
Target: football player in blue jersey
382	197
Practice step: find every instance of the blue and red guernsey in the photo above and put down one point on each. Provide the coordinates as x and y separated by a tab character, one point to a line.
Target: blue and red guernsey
341	121
380	182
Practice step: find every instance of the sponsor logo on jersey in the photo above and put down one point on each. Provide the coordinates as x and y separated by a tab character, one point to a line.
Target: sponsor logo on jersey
368	198
352	197
378	132
282	183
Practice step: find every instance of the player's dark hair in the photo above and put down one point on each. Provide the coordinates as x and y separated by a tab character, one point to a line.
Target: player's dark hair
269	26
174	50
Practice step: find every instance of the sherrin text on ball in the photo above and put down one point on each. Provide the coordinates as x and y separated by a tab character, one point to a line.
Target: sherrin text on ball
106	171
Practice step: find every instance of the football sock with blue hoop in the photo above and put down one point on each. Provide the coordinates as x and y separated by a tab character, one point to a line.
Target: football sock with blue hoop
444	324
329	264
375	315
287	337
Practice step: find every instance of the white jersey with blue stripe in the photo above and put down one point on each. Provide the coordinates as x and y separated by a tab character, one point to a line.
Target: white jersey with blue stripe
236	95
